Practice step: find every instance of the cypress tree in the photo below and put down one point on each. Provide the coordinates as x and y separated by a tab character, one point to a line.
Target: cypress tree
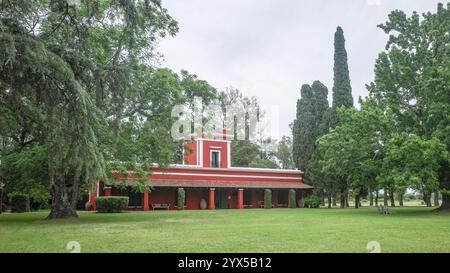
304	128
320	99
342	97
342	90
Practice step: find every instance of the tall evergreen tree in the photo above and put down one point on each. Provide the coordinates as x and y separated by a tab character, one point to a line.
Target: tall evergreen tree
304	128
342	90
320	98
342	96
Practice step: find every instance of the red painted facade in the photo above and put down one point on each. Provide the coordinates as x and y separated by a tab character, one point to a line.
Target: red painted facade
220	186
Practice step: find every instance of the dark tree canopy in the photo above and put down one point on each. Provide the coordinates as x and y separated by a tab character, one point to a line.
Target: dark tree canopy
304	128
71	77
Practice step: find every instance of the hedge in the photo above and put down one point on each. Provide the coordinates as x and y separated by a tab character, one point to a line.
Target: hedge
268	199
20	202
292	198
312	201
181	198
110	204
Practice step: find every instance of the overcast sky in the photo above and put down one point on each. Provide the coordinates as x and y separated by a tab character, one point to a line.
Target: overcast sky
269	48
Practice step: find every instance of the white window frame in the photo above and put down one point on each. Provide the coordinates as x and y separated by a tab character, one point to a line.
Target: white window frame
210	158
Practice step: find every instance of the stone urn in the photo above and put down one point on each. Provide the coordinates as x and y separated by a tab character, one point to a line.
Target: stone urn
88	206
203	204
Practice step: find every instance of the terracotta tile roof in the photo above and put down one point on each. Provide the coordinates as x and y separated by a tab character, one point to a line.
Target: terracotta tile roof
226	184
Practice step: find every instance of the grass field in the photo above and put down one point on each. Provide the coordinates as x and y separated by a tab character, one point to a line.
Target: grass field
409	229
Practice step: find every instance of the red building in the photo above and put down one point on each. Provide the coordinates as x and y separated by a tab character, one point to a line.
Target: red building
210	181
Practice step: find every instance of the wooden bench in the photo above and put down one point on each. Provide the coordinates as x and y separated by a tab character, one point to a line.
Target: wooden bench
160	206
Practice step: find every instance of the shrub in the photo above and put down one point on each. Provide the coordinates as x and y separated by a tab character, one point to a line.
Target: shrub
181	198
39	197
83	198
19	202
110	204
292	198
268	199
312	201
4	207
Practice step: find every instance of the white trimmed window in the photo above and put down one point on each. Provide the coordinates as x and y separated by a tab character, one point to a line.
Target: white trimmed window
215	159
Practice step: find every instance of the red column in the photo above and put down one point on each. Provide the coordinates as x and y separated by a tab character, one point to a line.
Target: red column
211	198
107	191
240	199
145	206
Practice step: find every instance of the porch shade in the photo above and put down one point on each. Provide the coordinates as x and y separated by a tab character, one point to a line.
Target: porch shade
225	184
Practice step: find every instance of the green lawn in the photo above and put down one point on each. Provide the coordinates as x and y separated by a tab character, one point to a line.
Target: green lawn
411	229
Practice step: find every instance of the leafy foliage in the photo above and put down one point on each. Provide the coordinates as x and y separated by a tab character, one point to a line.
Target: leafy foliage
19	202
268	198
78	81
181	198
111	204
292	197
312	201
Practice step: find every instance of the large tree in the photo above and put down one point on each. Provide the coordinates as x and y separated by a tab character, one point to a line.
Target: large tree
70	77
342	97
352	152
412	79
284	153
304	129
320	101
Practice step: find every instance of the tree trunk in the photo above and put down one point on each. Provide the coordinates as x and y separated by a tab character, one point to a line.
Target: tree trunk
329	201
376	198
371	198
436	199
1	200
400	199
343	199
385	197
427	198
334	200
64	200
445	205
391	197
357	201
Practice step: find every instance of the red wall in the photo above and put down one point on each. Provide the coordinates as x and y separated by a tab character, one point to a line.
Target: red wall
168	195
207	153
194	197
162	196
190	153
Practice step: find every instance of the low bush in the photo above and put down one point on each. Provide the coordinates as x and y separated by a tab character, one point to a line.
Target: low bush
312	201
268	199
292	198
111	204
19	202
181	199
